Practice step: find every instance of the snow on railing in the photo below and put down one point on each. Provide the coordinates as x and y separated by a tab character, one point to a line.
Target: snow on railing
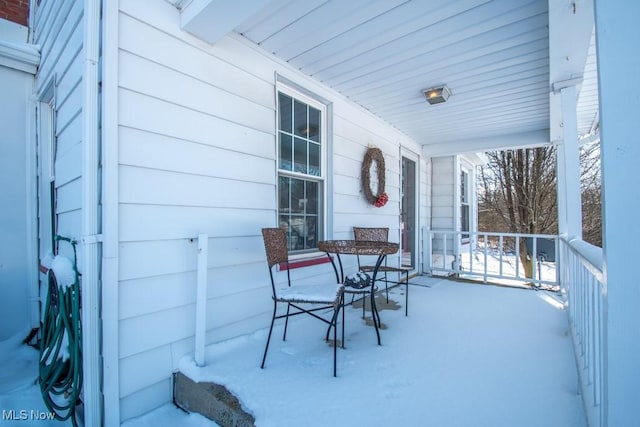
583	283
492	257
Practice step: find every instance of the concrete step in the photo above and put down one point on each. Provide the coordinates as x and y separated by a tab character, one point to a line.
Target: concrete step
211	400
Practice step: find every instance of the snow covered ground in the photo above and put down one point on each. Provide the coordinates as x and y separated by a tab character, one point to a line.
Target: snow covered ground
467	355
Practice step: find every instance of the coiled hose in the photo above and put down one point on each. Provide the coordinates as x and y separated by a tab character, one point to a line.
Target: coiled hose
61	345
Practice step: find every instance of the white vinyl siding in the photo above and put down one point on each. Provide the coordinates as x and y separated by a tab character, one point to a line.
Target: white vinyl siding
443	191
58	30
17	269
198	154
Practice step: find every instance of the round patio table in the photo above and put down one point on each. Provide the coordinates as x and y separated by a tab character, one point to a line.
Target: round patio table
359	247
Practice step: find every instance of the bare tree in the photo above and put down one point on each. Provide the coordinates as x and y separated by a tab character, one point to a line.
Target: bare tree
518	195
591	187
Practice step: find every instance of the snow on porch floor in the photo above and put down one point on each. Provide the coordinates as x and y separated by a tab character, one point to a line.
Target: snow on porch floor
467	355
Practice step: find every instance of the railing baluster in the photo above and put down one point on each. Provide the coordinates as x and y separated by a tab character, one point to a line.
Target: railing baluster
444	251
584	288
501	248
517	257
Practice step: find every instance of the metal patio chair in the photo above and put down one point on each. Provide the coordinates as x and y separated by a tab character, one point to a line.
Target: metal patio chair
315	297
381	234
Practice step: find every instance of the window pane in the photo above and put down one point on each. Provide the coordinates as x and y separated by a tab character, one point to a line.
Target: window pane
312	198
283	188
314	159
285	112
285	152
314	124
297	229
300	156
300	123
297	195
463	186
464	218
301	220
311	240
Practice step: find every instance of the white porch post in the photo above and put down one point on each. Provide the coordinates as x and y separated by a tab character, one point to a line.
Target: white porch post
617	31
568	167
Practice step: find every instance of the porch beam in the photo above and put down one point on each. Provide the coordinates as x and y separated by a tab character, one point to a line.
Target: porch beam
617	30
476	145
211	20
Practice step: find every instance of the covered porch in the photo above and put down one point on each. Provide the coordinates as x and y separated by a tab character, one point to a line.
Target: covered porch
523	79
467	354
518	74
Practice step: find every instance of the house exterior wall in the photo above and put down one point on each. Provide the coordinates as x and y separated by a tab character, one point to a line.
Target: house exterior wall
443	202
58	29
15	267
197	154
446	202
442	192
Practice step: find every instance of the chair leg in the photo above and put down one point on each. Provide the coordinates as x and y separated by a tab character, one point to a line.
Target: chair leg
266	348
286	322
386	286
342	306
375	316
406	295
335	339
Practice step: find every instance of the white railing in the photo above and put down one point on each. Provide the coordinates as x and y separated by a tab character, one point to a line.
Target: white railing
491	257
583	282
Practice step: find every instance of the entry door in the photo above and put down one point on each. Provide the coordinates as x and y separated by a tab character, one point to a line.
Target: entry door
408	213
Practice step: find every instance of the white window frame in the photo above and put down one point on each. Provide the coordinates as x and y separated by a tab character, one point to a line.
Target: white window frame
465	199
323	179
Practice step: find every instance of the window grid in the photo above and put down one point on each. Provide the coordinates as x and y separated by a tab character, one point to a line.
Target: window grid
300	182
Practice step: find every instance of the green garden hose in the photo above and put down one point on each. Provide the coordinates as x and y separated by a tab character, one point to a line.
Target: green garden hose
61	345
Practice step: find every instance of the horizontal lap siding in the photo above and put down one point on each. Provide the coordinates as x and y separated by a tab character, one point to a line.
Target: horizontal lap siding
352	136
442	199
442	192
58	29
197	154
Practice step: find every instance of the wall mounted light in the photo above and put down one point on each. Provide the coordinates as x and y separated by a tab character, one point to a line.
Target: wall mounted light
437	95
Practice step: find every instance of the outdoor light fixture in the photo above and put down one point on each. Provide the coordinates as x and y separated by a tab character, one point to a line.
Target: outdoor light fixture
437	94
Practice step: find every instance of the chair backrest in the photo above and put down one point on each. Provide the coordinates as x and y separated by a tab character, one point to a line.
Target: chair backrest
275	245
371	234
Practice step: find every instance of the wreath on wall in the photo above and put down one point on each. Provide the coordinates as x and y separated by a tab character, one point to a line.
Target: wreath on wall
374	155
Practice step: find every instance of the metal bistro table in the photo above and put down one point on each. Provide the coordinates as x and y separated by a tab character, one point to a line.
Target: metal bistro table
359	247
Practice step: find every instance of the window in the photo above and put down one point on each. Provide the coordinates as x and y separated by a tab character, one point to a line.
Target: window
301	170
464	202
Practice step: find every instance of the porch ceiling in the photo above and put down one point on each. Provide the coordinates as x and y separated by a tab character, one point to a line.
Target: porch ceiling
492	54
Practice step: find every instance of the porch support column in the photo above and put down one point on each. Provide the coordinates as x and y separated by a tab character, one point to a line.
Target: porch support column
617	30
568	167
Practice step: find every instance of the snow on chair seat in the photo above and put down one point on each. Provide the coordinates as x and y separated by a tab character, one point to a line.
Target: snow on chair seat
323	296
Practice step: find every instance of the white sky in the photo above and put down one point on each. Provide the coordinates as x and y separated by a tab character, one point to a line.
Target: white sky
467	355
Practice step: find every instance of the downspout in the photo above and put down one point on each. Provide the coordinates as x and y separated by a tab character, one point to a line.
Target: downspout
110	180
92	386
